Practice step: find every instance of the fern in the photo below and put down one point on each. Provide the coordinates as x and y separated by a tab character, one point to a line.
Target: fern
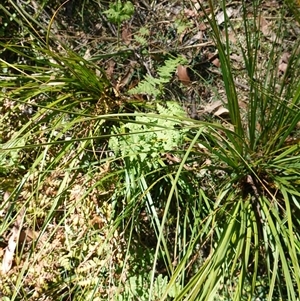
154	86
165	72
149	137
147	86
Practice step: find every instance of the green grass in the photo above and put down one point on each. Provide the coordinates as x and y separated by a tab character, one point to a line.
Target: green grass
119	195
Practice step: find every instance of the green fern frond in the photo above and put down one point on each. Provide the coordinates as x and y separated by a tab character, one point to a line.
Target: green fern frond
149	136
166	72
147	86
154	86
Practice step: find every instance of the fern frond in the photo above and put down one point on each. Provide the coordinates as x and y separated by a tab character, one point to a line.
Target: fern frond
154	86
147	86
166	72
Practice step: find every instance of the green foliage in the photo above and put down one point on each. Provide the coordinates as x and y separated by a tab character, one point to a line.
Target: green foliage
119	12
148	137
251	219
142	35
154	86
137	287
10	160
181	26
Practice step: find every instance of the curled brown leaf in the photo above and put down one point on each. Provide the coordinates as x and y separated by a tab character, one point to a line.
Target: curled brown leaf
182	73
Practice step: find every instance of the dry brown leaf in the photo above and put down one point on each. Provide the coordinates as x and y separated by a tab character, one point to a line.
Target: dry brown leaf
28	236
216	108
193	12
221	111
274	4
285	57
282	67
4	205
220	17
127	77
126	34
216	62
12	243
182	73
243	105
231	36
110	69
87	54
202	26
213	106
190	13
237	58
182	35
197	38
283	62
265	28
